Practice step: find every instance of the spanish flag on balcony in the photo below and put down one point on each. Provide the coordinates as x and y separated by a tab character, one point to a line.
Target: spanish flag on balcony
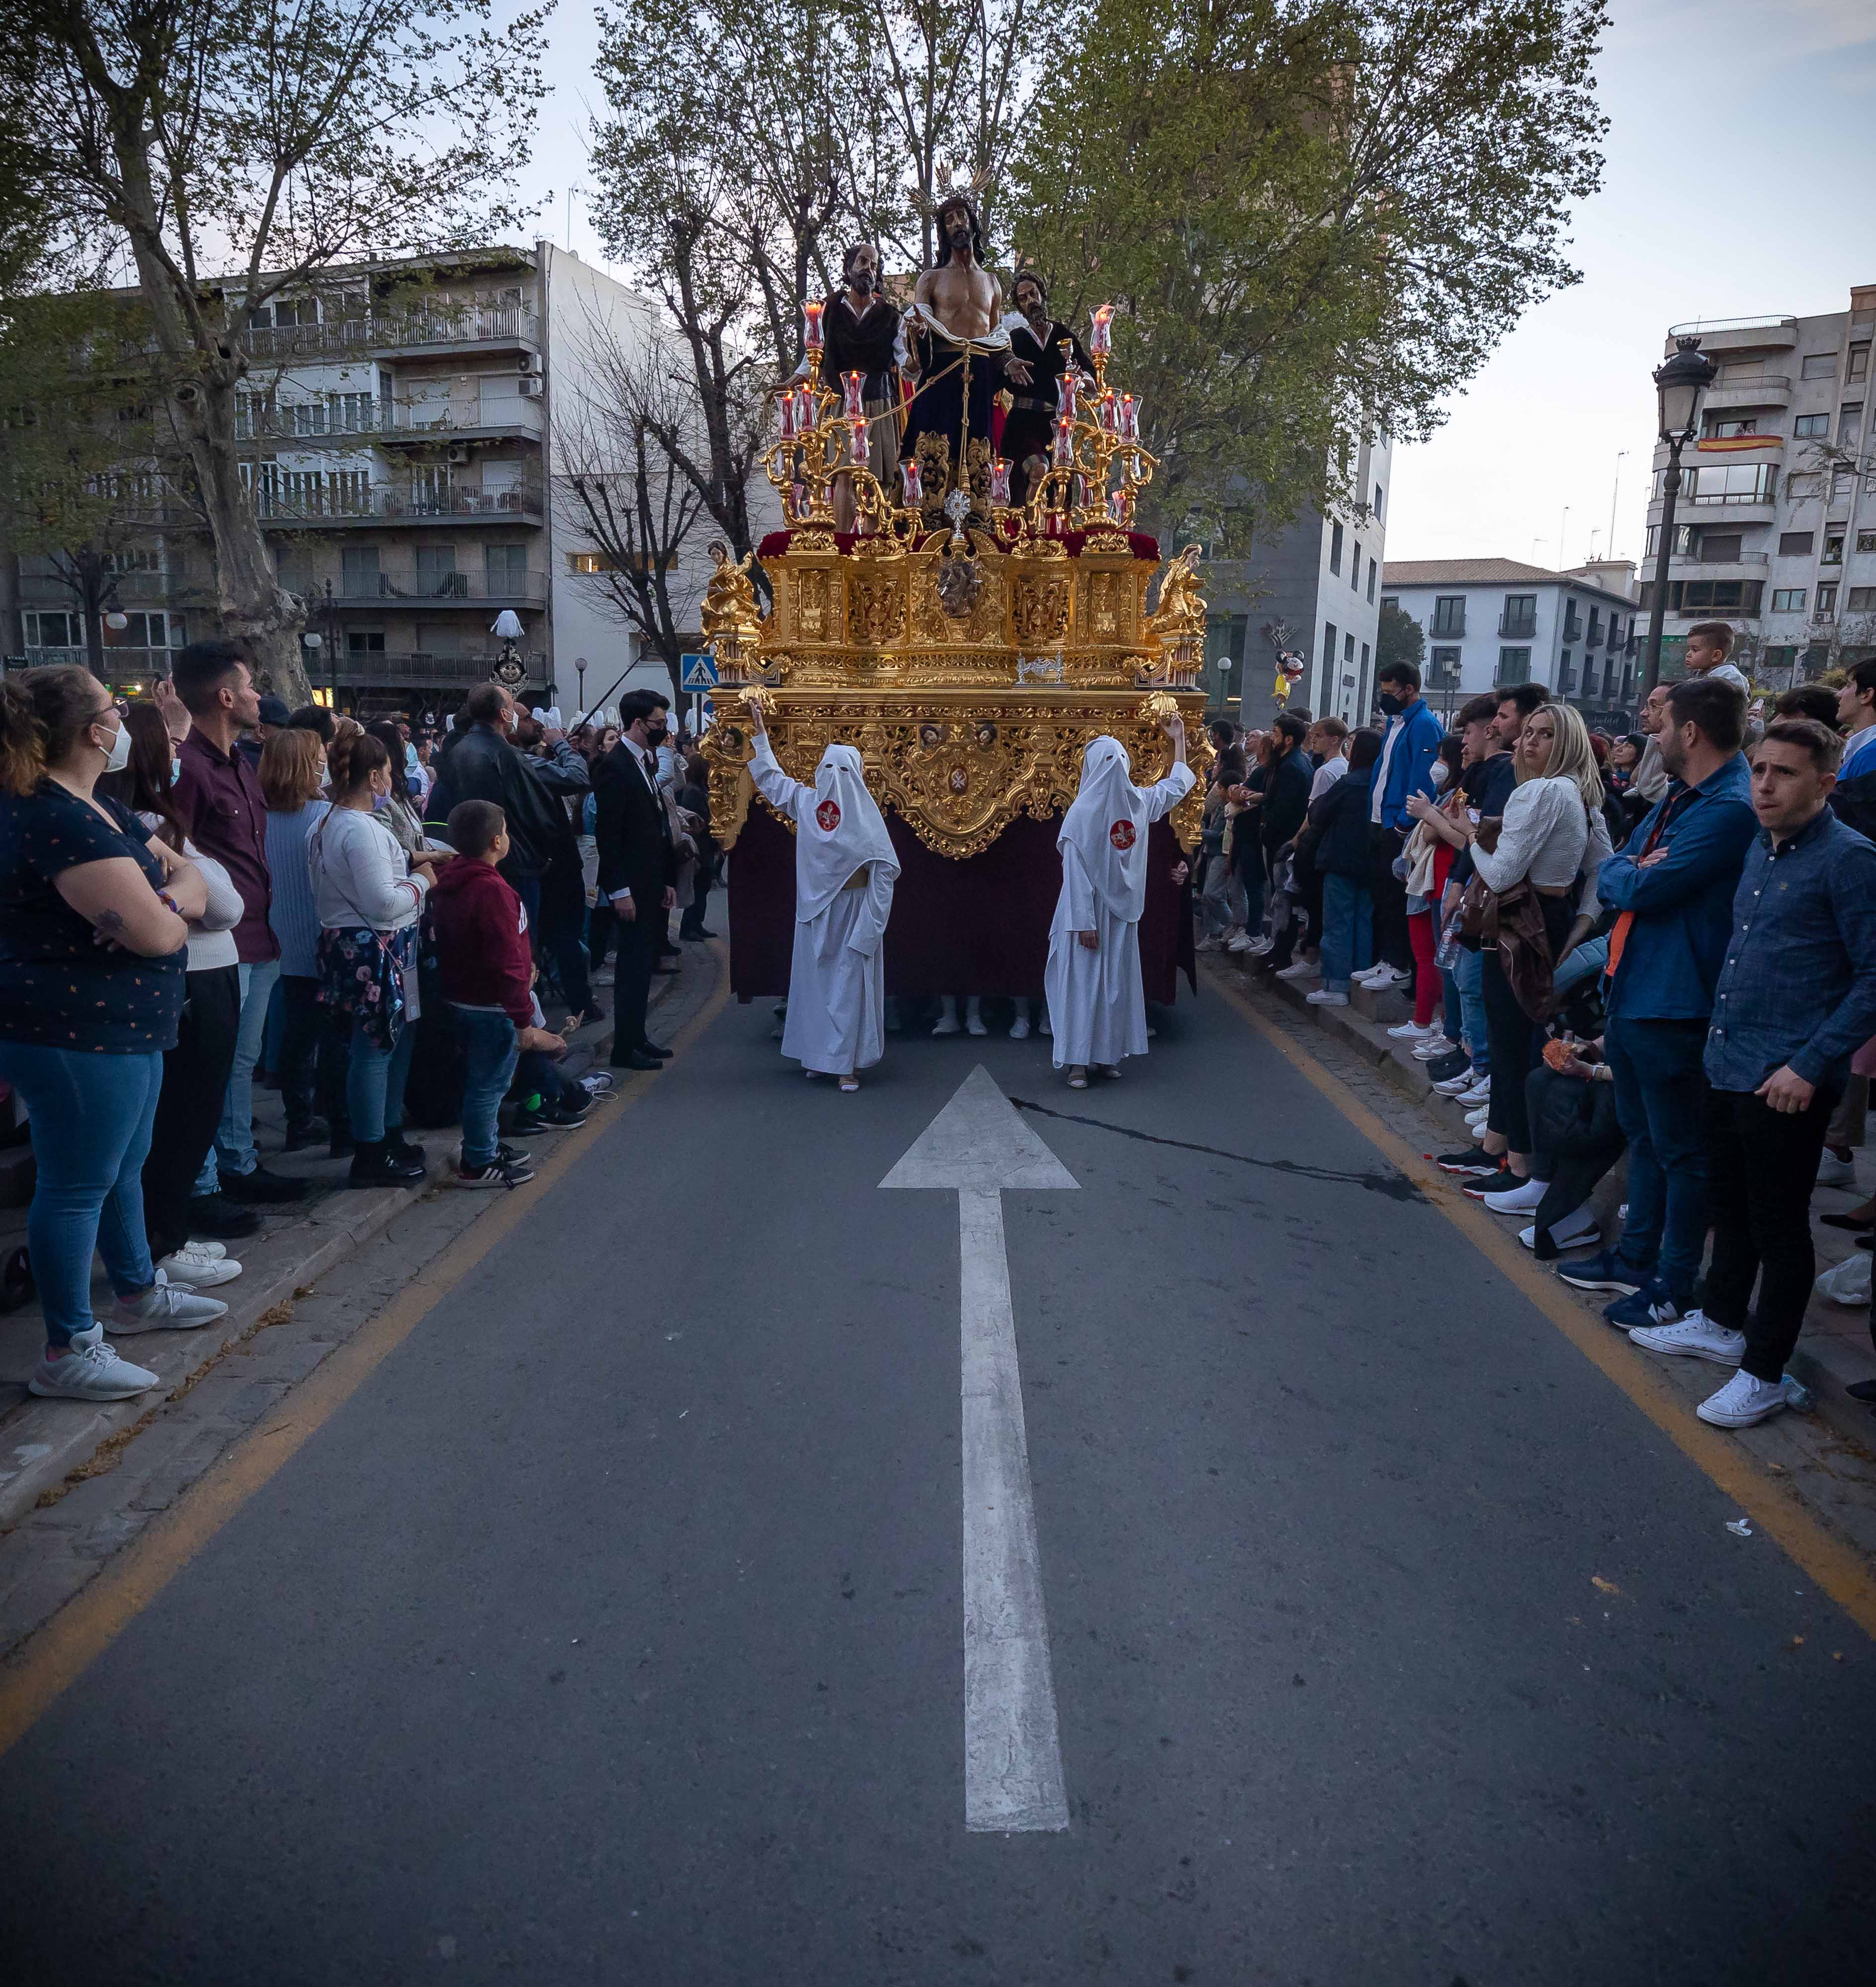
1731	444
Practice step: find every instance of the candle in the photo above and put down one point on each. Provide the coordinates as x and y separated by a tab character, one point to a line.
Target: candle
1064	456
787	415
999	480
799	491
1105	413
1065	396
816	340
1129	418
915	489
1103	338
855	384
856	441
1117	506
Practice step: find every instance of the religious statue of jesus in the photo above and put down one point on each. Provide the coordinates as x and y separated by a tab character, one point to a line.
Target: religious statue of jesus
958	354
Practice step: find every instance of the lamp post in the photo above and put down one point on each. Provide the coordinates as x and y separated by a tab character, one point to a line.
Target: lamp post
1680	385
579	663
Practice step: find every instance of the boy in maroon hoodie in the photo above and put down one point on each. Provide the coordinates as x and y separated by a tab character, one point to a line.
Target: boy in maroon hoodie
487	975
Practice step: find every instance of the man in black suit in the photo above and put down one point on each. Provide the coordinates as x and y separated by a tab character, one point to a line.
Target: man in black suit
638	869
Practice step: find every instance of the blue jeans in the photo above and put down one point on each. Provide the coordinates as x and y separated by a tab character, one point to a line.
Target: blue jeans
1661	1093
491	1048
91	1117
1348	930
1468	975
374	1084
234	1152
1589	961
1452	1021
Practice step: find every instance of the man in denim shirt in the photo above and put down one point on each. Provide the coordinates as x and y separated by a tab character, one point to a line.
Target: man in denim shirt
1673	884
1797	994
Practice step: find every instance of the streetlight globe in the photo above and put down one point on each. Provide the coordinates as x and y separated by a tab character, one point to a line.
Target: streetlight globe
1680	385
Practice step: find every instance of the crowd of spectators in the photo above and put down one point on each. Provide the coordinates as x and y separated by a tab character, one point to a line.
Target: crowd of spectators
203	891
1661	945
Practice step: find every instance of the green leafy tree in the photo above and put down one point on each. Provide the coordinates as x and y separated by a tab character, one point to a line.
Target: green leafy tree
1317	218
1399	639
228	154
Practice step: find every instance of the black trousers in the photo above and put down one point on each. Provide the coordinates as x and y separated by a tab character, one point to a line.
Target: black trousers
1516	1041
1761	1166
195	1080
639	938
302	1031
1390	892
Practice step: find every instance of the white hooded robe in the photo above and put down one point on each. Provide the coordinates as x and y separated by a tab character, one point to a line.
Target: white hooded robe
1097	1007
836	1020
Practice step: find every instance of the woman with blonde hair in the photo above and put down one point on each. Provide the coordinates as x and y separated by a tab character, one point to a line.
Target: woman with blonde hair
1532	865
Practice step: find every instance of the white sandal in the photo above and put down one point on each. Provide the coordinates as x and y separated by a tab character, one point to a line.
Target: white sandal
1078	1078
848	1085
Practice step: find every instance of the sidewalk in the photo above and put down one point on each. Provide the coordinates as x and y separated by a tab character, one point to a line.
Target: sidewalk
1835	1348
47	1446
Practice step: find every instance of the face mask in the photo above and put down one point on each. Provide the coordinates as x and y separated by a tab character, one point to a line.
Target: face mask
1438	773
1393	706
656	735
117	754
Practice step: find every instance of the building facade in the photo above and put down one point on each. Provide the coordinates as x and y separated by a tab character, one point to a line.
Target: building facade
1775	527
1315	591
398	440
1492	622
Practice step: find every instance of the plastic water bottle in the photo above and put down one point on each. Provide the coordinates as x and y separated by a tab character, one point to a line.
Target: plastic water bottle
1798	1395
1446	954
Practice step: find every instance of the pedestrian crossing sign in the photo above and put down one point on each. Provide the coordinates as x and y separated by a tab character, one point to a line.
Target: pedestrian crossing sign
699	673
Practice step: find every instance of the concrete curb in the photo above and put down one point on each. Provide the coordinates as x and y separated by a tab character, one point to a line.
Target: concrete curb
42	1442
1824	1363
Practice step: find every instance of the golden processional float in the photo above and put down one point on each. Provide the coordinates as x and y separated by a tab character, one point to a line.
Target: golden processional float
970	650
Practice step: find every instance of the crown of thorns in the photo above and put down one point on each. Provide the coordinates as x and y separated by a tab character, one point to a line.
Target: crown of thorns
948	193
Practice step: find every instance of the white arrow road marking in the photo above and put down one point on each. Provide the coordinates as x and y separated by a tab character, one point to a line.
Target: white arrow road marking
978	1148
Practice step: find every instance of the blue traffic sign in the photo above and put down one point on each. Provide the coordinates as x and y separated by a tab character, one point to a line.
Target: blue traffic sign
699	673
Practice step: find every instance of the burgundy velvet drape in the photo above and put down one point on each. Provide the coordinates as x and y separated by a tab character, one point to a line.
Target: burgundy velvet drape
977	926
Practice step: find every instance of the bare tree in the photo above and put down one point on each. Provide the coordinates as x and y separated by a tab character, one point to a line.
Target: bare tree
228	154
627	445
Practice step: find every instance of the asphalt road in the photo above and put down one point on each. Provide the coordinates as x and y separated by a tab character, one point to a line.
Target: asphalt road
611	1631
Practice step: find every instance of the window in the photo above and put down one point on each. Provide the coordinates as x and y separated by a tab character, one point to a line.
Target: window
1788	599
1566	673
437	576
1737	483
1335	548
1589	676
591	562
1717	426
1392	600
1795	544
1862	599
1520	616
1328	645
1683	542
352	414
1348	649
1811	427
1801	487
1850	423
1446	669
55	631
1866	541
1374	574
1833	549
1365	650
359	574
363	642
1354	566
1859	363
1842	483
1819	365
507	568
1449	614
1378	493
1709	596
1827	600
1513	665
148	631
1720	546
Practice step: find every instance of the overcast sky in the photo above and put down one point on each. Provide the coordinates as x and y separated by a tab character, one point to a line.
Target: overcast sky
1739	183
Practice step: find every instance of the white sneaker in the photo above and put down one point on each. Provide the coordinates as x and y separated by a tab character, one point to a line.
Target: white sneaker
1743	1400
164	1306
1475	1119
1044	1030
1322	997
89	1371
1834	1171
1433	1047
1479	1093
1209	945
1457	1086
1262	943
1303	969
975	1025
1019	1029
949	1024
1575	1231
1240	941
1410	1031
215	1251
1696	1335
193	1265
1364	975
1520	1199
1385	975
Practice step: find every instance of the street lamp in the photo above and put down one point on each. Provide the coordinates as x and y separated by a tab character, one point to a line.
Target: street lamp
580	664
1680	385
509	669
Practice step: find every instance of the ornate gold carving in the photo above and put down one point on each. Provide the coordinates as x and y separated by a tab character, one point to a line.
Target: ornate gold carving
1043	605
730	620
875	605
813	587
1105	597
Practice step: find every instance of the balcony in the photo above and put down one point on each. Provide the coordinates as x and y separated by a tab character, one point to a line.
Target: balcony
1770	390
449	589
312	425
494	327
122	667
417	670
1519	628
1720	335
132	590
390	504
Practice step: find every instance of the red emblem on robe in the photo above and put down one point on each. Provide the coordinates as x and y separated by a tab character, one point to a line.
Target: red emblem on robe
827	814
1121	834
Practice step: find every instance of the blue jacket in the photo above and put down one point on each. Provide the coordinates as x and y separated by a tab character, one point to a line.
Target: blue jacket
1683	906
1418	733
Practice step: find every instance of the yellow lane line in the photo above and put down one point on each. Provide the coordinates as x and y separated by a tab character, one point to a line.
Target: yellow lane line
1833	1564
62	1650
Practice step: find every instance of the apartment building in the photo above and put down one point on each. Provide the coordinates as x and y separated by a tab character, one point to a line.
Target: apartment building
1775	526
1491	623
1315	591
398	440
